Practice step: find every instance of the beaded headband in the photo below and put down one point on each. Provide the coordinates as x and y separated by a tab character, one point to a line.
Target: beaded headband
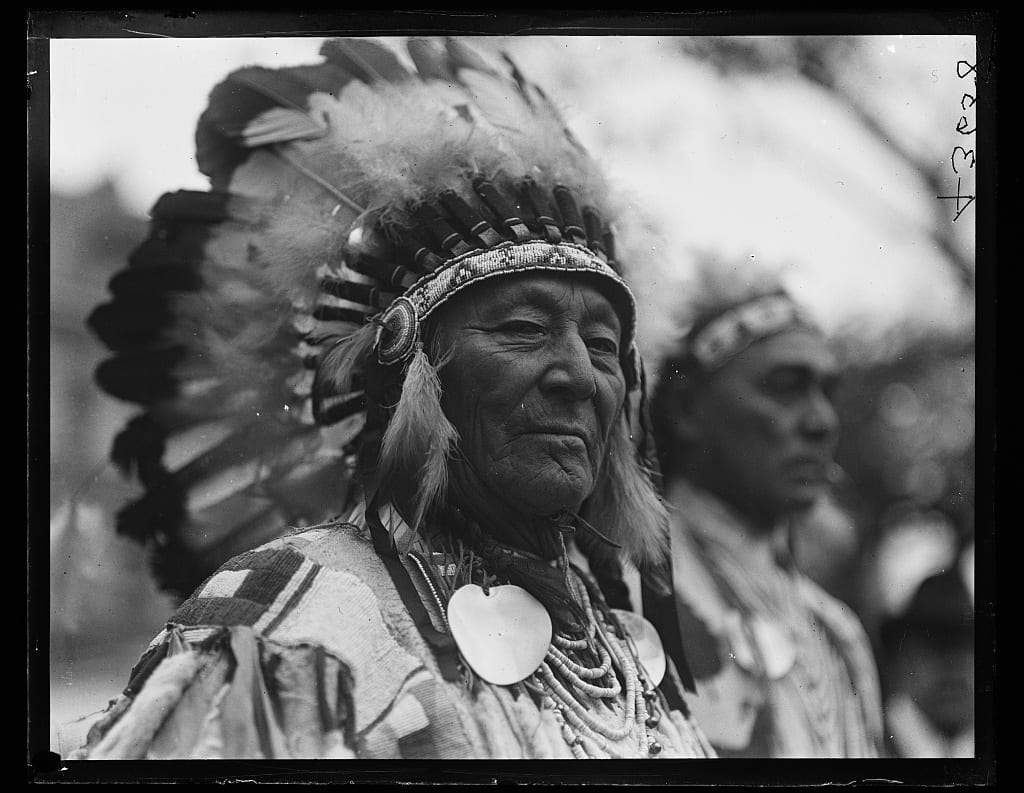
730	333
400	323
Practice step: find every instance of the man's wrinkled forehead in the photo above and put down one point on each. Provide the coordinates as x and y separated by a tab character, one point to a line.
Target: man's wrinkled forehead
555	293
604	301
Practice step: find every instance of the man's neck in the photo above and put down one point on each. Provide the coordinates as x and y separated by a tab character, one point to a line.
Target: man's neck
499	520
760	539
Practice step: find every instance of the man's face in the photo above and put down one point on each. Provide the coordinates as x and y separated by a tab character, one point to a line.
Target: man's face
533	386
762	428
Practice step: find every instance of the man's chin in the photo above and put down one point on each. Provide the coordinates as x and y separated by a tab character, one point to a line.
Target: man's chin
552	486
803	497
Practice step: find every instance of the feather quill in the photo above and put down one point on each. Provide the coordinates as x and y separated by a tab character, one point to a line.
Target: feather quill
279	125
462	56
431	59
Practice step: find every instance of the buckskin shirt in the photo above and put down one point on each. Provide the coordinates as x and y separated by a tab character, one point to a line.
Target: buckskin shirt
783	669
303	648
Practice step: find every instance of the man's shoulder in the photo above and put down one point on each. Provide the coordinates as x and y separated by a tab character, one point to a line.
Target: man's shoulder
837	614
337	546
262	584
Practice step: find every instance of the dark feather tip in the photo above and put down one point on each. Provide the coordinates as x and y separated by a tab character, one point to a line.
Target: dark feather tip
139	447
143	377
207	206
157	513
154	282
130	324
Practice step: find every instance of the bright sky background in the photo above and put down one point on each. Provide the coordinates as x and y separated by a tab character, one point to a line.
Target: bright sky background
762	167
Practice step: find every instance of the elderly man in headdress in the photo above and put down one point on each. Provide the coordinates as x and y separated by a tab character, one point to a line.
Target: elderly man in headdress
400	292
746	429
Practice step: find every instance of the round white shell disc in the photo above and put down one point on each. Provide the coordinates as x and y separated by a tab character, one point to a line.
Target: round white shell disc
648	643
503	635
776	645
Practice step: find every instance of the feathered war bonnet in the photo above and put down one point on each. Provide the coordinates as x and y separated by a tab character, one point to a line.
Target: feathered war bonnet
273	327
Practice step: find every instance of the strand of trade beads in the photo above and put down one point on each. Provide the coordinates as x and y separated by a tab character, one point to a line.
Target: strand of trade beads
569	668
627	658
586	732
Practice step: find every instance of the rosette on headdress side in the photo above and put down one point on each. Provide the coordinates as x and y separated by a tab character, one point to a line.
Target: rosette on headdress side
349	199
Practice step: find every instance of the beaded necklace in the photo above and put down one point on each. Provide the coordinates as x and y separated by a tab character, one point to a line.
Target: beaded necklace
583	728
594	684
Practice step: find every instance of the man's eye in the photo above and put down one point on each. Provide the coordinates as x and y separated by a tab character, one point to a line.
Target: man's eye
784	385
604	345
522	328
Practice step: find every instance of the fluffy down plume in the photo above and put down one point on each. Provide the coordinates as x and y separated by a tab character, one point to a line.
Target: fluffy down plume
419	431
390	144
288	263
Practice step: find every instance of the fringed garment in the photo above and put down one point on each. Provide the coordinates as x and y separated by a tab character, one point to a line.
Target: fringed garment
783	669
305	648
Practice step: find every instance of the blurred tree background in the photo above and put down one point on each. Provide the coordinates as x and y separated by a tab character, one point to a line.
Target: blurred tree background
824	154
103	605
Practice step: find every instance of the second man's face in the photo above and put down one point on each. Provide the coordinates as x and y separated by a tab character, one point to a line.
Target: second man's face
766	429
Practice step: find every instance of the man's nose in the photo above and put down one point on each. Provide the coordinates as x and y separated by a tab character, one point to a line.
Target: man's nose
568	368
819	419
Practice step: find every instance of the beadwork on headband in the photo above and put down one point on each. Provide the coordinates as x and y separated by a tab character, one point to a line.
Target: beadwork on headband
400	321
732	332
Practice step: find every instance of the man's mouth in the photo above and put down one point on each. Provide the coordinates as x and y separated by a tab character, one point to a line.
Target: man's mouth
563	431
809	467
